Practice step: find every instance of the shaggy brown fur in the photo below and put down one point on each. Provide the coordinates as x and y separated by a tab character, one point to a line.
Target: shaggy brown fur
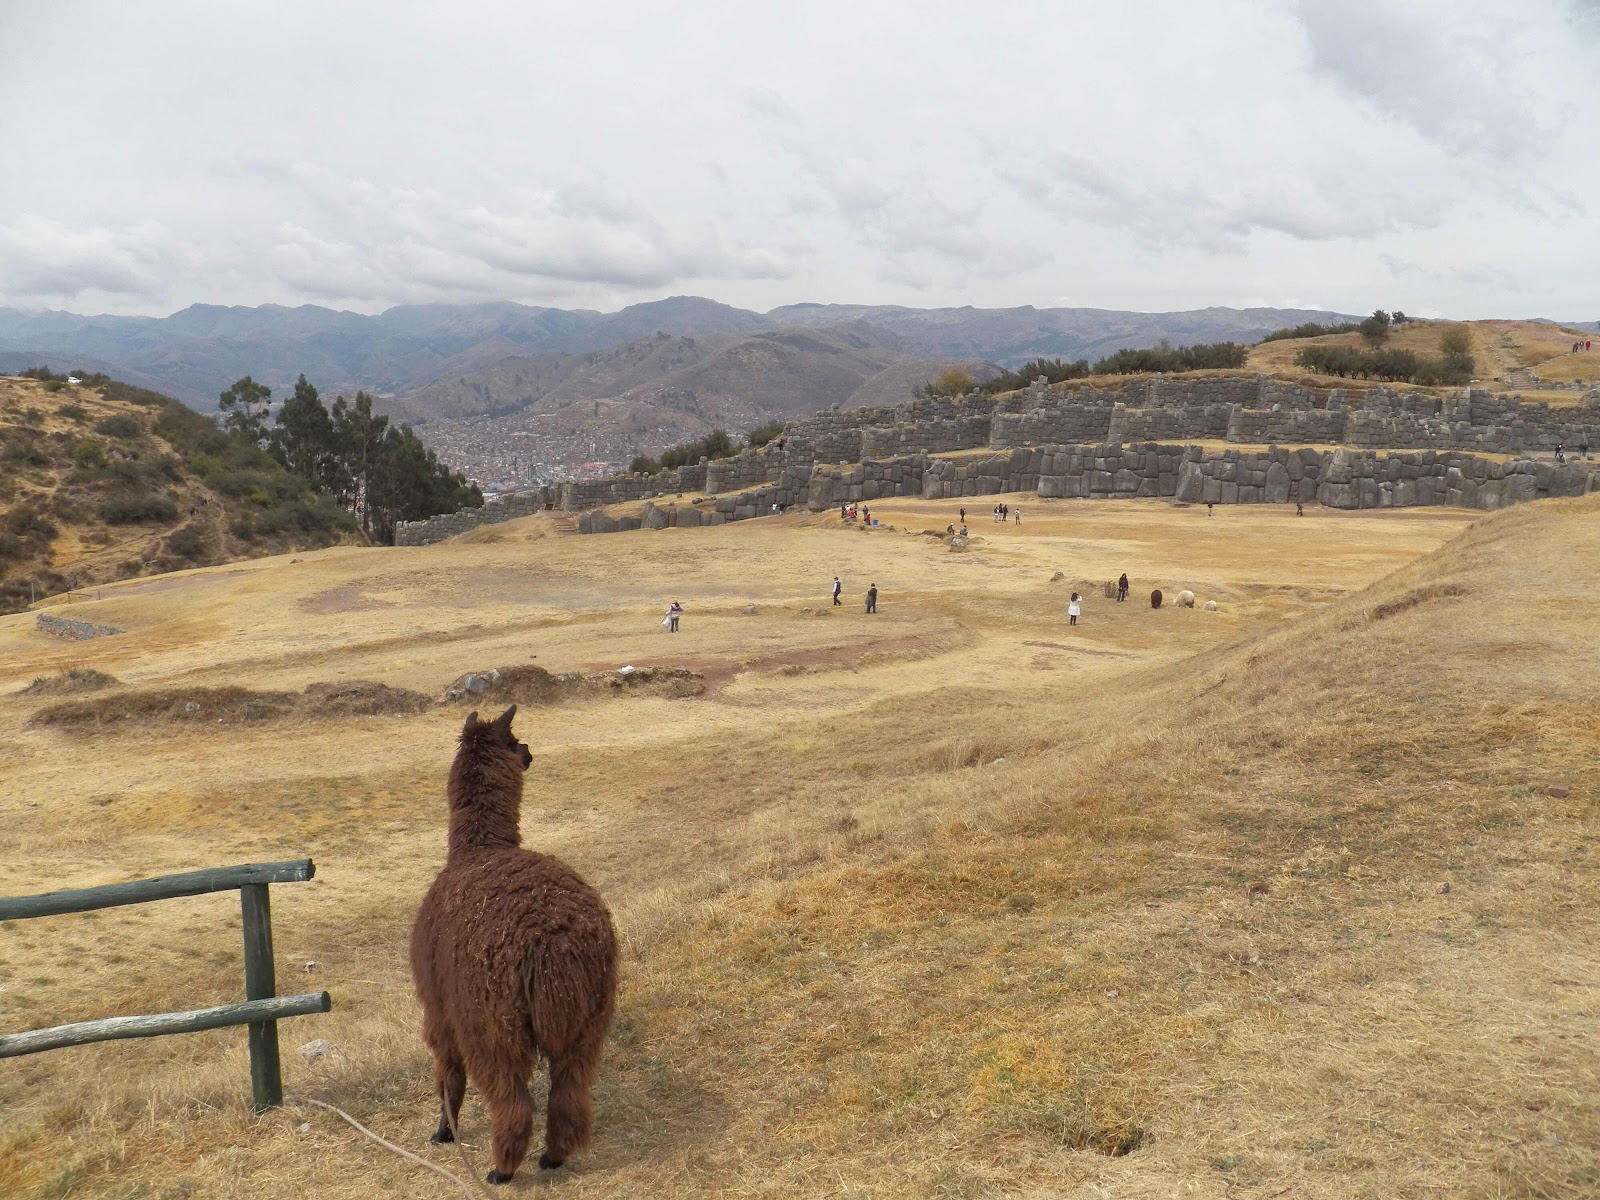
513	957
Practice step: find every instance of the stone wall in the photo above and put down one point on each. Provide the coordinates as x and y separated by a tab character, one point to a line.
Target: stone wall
1105	470
789	489
744	470
1353	479
503	508
1209	421
1325	426
864	482
575	495
1115	428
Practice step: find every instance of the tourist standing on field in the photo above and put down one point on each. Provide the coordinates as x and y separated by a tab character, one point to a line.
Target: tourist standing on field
1122	587
872	599
1074	607
674	611
1018	515
837	588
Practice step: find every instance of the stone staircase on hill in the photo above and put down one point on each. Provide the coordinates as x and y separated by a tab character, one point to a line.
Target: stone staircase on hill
1520	379
565	524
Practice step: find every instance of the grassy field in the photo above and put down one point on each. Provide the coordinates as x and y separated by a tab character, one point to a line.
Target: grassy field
1294	898
1496	347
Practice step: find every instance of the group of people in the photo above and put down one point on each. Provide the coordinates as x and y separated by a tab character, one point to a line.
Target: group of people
1561	451
872	595
1001	512
849	512
1581	347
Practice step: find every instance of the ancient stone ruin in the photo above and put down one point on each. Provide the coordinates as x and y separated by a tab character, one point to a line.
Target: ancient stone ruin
1382	448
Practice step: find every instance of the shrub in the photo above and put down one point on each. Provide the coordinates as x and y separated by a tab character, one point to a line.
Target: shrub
25	452
1456	342
1311	329
187	542
26	521
1205	356
55	385
762	434
132	510
88	454
952	381
119	425
1403	366
74	412
716	444
1375	329
1054	370
320	517
10	546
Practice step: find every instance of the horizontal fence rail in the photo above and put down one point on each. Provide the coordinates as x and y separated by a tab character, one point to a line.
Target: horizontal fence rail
159	1024
262	1008
164	887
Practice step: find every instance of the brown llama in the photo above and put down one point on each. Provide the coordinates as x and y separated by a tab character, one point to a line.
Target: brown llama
514	957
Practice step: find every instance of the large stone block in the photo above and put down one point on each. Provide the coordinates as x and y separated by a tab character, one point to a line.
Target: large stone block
1275	489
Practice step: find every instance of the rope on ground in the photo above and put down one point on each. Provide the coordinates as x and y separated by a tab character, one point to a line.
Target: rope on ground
406	1154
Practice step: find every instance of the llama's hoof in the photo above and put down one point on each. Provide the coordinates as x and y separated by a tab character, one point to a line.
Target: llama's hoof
548	1163
442	1137
497	1177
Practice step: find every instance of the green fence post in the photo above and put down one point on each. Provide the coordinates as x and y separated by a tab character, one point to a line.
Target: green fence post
260	983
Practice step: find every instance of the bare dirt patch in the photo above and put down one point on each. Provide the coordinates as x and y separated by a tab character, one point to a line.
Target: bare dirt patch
231	706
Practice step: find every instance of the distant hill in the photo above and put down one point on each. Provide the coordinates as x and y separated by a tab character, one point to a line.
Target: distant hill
724	377
1011	336
195	353
658	391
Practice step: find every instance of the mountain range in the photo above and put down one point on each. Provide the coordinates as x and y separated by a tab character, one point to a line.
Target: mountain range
666	370
196	353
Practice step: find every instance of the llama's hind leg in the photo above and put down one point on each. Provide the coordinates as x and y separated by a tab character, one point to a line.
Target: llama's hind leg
510	1117
569	1119
450	1081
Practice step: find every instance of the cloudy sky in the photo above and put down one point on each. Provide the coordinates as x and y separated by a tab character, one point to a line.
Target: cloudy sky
1439	156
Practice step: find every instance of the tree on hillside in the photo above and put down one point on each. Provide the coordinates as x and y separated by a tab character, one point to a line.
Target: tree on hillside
1457	339
304	440
381	473
407	482
244	409
953	381
358	435
1375	329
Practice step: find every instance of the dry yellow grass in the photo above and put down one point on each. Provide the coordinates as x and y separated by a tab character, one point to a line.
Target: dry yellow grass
1196	912
1496	347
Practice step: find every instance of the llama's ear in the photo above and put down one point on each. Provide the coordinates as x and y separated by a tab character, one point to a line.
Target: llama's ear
472	720
503	721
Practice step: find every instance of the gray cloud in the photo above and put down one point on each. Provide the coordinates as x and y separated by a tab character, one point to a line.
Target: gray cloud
1448	69
1155	156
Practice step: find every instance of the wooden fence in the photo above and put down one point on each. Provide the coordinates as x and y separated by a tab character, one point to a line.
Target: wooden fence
263	1007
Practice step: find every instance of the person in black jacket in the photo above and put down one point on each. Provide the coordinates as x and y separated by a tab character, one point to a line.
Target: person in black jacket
1122	588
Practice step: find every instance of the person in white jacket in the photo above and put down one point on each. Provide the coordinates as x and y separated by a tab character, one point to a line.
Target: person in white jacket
1074	607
